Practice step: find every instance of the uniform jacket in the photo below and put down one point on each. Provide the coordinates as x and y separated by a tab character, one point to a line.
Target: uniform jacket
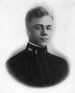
36	67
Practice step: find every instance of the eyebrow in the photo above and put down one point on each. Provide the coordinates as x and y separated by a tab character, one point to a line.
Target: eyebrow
41	25
49	25
38	25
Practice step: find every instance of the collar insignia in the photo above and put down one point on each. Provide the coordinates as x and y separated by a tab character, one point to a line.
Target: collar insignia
30	49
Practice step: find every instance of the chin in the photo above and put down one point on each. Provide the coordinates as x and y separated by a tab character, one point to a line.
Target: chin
43	44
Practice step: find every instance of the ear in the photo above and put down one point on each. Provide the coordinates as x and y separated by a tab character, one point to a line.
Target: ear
28	31
28	28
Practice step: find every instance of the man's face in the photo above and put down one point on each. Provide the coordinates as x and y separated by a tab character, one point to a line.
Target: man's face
40	30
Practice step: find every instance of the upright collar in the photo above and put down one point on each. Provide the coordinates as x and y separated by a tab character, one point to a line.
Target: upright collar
33	44
36	49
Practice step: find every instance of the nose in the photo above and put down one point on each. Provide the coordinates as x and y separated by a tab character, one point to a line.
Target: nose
44	32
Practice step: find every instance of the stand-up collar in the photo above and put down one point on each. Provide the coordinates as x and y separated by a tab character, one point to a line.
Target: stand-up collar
37	50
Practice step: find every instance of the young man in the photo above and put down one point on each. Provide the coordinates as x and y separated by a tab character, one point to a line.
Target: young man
34	65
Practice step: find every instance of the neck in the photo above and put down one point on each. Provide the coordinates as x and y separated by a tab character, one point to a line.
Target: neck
35	45
35	48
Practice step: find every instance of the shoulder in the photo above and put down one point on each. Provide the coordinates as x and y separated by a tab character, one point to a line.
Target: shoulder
59	66
59	62
19	55
16	59
56	57
17	63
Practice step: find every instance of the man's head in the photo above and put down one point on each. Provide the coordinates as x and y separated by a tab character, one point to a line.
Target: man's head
39	24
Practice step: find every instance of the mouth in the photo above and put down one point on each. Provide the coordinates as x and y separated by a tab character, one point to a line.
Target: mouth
44	39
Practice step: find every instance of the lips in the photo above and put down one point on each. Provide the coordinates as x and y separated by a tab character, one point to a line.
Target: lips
44	39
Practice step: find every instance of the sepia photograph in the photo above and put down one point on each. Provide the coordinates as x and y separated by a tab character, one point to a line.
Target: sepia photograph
35	65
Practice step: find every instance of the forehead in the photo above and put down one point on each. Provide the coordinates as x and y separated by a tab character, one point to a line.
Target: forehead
42	20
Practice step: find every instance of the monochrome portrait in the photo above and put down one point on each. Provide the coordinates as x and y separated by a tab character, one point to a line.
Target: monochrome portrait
35	65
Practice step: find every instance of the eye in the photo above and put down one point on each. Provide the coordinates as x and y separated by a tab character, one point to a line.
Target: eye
38	27
49	27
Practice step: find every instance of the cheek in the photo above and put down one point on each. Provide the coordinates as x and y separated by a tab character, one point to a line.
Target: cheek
50	33
36	34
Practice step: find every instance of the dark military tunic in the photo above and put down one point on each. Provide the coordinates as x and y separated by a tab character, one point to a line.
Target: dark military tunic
36	67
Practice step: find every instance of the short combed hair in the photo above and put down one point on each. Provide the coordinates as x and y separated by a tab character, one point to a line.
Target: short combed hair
35	13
